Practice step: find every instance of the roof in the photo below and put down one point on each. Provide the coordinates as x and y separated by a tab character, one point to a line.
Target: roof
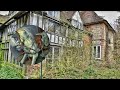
68	14
3	18
63	17
10	19
94	19
102	21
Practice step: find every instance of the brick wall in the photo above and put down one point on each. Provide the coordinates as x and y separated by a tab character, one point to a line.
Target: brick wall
98	37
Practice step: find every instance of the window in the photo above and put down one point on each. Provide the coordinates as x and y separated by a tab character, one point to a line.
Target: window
63	31
48	35
108	38
76	23
109	41
69	32
28	19
60	40
80	43
97	52
57	29
54	14
50	53
45	24
40	21
63	40
51	13
53	53
52	38
18	23
56	52
56	39
22	21
73	42
57	14
34	19
51	28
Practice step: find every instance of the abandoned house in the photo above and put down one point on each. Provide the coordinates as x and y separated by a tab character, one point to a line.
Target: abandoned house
60	29
103	35
3	18
64	28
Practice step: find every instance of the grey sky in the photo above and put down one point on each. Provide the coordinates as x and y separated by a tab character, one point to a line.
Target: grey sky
110	16
4	12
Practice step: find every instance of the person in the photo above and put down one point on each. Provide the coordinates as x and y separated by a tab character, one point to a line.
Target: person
33	41
30	47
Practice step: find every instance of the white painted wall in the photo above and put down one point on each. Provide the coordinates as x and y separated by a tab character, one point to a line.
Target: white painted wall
76	16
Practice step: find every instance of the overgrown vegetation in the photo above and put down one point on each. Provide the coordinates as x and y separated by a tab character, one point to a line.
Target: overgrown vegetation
72	64
73	67
9	71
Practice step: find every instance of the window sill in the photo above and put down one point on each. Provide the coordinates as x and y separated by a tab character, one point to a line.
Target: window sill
98	59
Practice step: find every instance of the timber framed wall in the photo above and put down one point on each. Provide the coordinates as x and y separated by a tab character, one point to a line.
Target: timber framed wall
59	34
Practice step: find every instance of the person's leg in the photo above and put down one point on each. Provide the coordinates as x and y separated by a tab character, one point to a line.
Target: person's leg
24	58
35	56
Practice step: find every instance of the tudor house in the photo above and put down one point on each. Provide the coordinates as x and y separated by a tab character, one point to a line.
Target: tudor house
64	28
3	18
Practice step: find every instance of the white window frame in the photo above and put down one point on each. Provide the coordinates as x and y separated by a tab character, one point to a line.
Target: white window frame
96	52
76	23
56	39
80	43
52	38
60	40
34	19
55	14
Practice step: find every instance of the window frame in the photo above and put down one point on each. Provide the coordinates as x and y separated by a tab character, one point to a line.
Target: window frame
54	14
76	23
95	54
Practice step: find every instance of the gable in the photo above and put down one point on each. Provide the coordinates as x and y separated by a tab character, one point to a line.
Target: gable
77	17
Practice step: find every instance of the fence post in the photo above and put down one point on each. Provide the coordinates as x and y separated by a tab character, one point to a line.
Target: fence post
41	61
41	71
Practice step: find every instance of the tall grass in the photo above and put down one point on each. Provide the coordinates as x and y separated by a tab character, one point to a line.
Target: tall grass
9	70
74	66
72	63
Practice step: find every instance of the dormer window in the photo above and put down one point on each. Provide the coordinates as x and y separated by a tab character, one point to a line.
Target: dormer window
76	23
54	14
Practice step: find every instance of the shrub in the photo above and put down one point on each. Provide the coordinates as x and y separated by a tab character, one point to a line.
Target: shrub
9	71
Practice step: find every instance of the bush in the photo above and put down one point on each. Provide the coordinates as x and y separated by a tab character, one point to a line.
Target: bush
9	71
71	66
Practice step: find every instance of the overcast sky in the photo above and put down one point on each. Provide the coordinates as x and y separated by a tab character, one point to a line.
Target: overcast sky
4	12
110	16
